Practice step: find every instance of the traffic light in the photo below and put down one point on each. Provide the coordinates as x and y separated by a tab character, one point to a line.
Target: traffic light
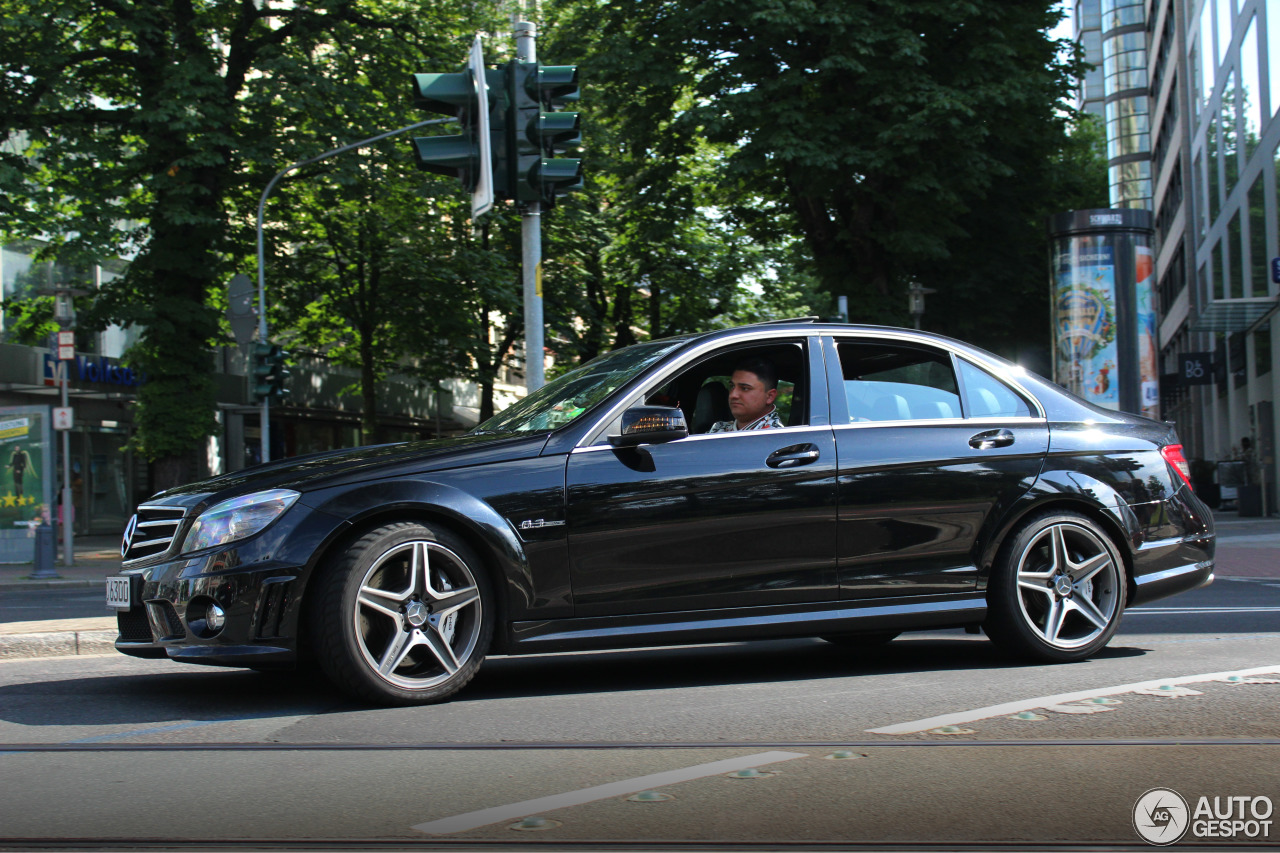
279	373
260	378
535	133
269	373
467	156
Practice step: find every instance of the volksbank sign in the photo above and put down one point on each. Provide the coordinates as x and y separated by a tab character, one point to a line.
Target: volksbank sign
98	370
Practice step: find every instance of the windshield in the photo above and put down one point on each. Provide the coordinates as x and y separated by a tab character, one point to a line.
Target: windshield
564	399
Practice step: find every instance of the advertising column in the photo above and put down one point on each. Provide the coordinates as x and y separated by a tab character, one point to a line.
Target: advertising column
1104	319
26	479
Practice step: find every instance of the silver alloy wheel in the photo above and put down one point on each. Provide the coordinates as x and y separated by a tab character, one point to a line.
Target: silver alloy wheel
1068	585
418	615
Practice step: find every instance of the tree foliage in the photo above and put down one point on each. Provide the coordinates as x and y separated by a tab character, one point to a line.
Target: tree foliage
889	135
145	129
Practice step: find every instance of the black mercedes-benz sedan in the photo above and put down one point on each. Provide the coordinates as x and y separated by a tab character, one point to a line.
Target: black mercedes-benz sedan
793	479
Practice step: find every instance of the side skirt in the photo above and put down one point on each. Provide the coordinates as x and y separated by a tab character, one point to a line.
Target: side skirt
713	626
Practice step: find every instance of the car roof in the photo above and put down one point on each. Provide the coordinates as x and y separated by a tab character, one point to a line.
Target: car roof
816	325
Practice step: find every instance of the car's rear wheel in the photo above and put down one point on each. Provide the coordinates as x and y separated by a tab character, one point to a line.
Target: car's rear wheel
404	615
1057	590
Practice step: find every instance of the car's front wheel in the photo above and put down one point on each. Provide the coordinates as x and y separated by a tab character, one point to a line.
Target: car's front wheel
404	615
1057	590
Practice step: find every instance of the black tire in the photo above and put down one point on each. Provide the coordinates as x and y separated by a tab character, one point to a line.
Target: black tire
868	640
404	616
1057	590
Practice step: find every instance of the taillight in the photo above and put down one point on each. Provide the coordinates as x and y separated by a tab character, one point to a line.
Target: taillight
1172	454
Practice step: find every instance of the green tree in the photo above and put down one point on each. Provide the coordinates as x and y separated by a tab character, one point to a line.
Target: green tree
145	129
882	133
650	248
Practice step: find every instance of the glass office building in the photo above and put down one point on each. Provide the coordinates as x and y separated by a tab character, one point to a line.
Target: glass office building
1191	100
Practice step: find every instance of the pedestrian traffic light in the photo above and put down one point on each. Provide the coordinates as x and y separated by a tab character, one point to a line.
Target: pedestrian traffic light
535	132
467	156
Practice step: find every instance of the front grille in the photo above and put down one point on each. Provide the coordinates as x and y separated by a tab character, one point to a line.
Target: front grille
151	532
133	625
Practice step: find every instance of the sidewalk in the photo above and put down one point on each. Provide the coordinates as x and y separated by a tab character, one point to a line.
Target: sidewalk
94	558
1247	547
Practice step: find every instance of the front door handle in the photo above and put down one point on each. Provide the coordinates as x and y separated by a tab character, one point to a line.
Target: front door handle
790	457
991	439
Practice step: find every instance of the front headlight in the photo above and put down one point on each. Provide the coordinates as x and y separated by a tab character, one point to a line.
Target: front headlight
237	518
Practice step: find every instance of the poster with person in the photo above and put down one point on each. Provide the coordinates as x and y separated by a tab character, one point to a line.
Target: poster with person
26	482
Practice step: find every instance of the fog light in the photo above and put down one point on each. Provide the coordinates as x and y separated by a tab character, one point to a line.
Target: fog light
215	618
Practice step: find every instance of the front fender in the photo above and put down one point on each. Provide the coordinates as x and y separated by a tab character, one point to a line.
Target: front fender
366	506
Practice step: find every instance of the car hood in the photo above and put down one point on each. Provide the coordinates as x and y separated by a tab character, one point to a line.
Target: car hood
319	470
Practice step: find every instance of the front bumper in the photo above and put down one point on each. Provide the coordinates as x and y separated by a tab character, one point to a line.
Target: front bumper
257	583
167	618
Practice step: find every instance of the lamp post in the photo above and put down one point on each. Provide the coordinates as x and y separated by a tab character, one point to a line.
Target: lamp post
262	286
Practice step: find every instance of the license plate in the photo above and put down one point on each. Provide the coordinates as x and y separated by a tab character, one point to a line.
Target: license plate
118	593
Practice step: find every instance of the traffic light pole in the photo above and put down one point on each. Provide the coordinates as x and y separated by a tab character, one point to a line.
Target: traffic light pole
265	415
531	246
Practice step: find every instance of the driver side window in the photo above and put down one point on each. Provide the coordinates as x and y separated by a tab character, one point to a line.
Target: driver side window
702	391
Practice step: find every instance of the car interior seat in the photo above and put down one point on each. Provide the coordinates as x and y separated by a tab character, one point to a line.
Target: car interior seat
712	406
799	407
890	407
986	403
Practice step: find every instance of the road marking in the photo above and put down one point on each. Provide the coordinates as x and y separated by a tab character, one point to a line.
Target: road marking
1165	611
483	817
1061	698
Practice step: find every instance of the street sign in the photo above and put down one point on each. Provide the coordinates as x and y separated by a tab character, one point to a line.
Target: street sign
63	417
1275	270
66	346
1197	368
241	313
482	195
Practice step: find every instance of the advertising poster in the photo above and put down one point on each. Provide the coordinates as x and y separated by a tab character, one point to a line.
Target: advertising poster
1148	334
1085	322
26	480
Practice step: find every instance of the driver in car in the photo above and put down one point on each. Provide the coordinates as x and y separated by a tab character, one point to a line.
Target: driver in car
751	396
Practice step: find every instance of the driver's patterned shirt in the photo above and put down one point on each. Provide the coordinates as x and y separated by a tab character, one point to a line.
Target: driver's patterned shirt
769	420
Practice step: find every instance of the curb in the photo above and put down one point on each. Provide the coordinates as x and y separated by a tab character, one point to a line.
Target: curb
46	583
56	644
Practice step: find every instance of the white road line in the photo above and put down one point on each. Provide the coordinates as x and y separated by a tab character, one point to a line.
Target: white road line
1168	610
471	820
1042	701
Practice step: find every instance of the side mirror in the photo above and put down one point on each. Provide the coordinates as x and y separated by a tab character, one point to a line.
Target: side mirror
650	425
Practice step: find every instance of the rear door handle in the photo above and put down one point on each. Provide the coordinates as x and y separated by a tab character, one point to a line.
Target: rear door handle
991	439
790	457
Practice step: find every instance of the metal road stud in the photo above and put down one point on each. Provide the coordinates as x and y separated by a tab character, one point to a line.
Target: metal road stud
650	797
750	773
1028	715
533	824
1102	700
952	730
842	754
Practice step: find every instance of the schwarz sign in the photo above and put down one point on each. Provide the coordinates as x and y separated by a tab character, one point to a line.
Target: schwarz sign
1196	368
100	371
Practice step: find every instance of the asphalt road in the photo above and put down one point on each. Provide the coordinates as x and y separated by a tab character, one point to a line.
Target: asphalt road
935	739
